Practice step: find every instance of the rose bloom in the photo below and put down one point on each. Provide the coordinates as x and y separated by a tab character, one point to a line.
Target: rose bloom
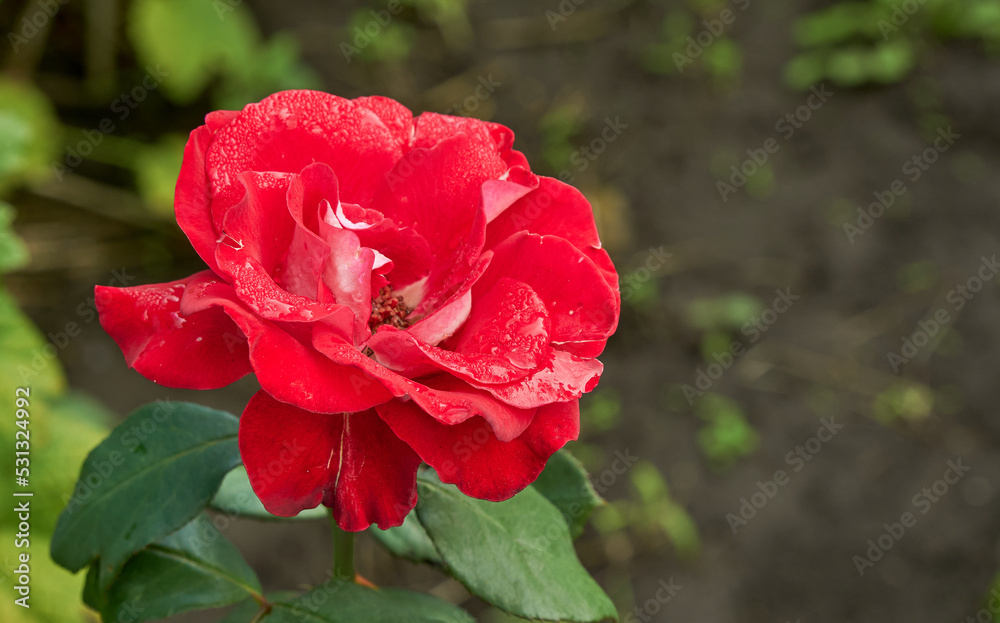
405	290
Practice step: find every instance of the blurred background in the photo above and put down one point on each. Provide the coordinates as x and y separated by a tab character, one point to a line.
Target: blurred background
801	200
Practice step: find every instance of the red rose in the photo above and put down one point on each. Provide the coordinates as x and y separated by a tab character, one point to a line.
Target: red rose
404	289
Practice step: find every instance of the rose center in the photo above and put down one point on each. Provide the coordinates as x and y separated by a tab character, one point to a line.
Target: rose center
387	308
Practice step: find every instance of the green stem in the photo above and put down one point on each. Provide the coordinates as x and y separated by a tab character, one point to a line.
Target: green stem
343	552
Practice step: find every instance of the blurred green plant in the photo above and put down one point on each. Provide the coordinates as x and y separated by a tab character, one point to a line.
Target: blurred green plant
558	127
63	426
694	36
197	41
451	18
385	32
727	435
650	511
600	410
903	402
13	253
729	311
918	276
28	133
156	168
854	43
375	40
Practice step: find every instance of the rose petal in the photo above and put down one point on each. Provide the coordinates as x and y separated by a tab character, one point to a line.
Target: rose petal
203	350
347	278
192	199
297	374
555	208
285	367
257	235
292	129
260	225
444	397
505	338
470	456
558	209
432	128
352	463
445	179
396	117
581	304
509	320
445	318
565	377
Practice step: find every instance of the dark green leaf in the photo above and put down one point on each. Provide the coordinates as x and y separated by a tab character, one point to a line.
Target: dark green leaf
564	482
346	602
93	596
408	541
152	475
194	568
245	611
236	497
517	555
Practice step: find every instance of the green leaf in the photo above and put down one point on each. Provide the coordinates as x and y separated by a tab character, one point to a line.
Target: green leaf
346	602
564	482
246	610
152	475
408	541
517	555
93	596
193	568
236	497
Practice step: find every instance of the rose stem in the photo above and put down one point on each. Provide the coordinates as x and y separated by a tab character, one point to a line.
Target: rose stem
343	552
